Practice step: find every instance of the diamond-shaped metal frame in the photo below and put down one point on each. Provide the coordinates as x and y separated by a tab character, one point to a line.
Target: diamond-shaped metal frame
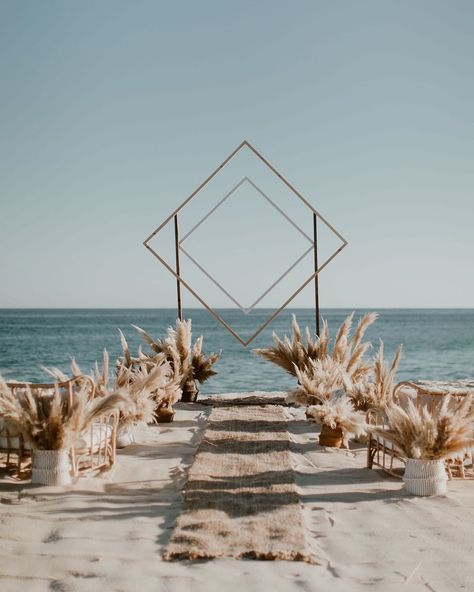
180	280
248	309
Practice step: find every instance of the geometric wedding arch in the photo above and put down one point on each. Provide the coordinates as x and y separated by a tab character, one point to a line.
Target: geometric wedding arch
181	249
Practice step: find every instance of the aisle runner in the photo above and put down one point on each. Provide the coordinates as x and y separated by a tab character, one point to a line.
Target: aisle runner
240	498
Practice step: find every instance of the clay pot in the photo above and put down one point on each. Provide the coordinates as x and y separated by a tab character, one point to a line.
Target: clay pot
190	392
164	413
330	437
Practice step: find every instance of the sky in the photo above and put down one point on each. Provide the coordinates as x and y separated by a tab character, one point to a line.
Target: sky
112	112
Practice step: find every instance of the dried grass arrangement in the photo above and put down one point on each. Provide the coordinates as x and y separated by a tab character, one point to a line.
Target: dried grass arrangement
322	376
297	355
49	422
325	374
150	384
377	390
317	383
339	416
146	383
444	429
188	362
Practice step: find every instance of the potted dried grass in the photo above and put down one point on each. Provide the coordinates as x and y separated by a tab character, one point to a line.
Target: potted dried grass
339	421
51	425
152	380
376	390
320	387
427	435
146	384
150	393
297	354
189	363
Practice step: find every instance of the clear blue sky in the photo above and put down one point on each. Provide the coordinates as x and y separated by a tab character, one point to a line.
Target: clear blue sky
111	112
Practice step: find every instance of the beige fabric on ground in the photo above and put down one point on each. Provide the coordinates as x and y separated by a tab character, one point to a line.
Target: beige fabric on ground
240	497
256	398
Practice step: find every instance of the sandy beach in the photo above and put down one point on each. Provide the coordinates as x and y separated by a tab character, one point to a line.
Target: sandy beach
108	532
235	241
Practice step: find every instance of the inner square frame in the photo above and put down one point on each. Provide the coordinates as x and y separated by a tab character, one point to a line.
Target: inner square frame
180	280
247	310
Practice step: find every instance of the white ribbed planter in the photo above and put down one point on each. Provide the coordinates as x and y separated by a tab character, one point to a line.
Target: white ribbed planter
425	477
125	435
51	467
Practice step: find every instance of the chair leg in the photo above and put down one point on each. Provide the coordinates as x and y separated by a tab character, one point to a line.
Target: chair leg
75	471
370	457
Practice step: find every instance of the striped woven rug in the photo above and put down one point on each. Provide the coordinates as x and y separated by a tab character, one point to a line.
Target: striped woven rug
240	498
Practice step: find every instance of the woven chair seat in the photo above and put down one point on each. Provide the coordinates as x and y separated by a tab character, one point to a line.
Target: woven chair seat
92	437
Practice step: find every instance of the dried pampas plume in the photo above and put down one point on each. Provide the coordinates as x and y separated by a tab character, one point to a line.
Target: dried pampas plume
317	383
296	354
441	430
338	412
52	422
146	382
187	361
377	391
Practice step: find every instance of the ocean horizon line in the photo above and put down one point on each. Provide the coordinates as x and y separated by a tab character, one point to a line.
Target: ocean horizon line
94	308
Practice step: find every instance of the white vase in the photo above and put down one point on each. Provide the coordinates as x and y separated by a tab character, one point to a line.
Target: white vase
125	435
51	467
425	477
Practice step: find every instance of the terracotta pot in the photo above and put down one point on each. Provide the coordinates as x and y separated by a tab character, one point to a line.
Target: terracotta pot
425	477
164	413
190	392
51	467
330	437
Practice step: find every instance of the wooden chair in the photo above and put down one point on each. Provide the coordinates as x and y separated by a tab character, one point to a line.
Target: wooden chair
95	449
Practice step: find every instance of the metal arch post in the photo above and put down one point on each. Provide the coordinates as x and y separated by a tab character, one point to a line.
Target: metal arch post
178	275
316	277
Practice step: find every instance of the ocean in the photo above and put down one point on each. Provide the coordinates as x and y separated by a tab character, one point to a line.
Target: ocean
438	344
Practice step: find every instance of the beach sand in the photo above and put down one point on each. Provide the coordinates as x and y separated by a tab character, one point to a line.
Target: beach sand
108	532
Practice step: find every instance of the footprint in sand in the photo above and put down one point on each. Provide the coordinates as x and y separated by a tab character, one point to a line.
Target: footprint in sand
330	519
52	537
59	586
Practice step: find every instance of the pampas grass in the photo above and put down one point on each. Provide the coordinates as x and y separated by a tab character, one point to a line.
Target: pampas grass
291	354
201	364
173	364
147	384
338	412
187	361
49	422
296	354
442	430
317	382
377	390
